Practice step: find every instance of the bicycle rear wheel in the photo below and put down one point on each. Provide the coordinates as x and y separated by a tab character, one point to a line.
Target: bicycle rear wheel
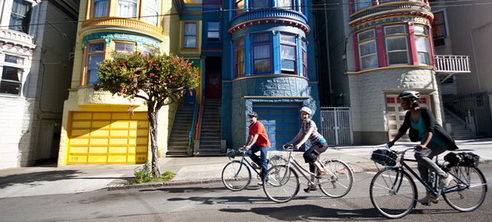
338	179
281	183
393	193
236	175
467	191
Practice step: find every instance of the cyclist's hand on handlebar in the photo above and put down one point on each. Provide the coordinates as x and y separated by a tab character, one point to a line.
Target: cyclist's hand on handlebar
297	146
420	147
390	144
247	147
287	146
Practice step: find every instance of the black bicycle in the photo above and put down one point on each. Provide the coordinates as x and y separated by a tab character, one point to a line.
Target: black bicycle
394	194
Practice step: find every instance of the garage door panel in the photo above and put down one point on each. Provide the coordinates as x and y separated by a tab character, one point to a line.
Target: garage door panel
108	138
281	121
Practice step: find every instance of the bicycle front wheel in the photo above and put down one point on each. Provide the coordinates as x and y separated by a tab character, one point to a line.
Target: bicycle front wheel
338	179
468	189
393	193
236	175
281	183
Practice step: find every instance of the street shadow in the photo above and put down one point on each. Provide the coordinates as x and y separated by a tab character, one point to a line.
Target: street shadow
33	179
310	212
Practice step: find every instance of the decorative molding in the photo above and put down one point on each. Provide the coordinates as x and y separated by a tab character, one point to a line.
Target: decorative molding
110	36
120	24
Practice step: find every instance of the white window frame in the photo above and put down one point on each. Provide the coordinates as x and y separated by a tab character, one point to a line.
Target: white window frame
366	41
125	9
396	35
21	68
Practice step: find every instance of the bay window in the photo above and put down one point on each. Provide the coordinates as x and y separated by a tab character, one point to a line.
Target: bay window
261	47
20	16
422	45
11	79
239	57
100	8
95	55
288	52
396	40
368	49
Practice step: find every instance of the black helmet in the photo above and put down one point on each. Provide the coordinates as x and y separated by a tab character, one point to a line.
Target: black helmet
413	96
253	114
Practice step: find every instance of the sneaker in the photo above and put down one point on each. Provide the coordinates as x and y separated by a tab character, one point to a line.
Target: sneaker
445	181
310	188
260	183
428	199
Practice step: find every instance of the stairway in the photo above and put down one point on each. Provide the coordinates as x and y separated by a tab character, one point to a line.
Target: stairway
459	129
178	140
210	144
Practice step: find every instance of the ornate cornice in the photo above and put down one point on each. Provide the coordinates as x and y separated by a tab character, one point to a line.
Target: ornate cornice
392	12
109	36
17	38
122	25
269	16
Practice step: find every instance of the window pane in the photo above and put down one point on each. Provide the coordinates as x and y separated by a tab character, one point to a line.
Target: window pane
190	29
96	47
264	37
397	58
285	4
124	47
422	44
213	26
420	30
288	52
289	39
11	73
93	67
100	8
127	8
396	43
10	87
190	42
369	62
396	29
288	65
151	12
366	35
362	4
14	59
424	58
20	16
262	66
148	50
260	3
367	48
261	51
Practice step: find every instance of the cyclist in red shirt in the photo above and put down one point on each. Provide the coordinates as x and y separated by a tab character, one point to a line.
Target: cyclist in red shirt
257	141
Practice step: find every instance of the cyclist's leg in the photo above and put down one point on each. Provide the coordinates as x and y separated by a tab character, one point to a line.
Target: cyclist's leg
264	161
425	163
252	154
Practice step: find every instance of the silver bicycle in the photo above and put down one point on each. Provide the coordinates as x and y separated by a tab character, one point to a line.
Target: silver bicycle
281	183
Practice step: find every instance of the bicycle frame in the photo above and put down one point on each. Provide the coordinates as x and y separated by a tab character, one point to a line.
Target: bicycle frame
305	173
433	189
246	160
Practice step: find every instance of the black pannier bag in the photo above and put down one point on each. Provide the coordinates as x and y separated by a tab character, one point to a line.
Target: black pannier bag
462	159
384	157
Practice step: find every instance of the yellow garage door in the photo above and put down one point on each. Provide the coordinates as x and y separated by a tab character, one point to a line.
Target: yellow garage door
108	138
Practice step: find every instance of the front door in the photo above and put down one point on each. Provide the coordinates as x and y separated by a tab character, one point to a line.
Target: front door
213	84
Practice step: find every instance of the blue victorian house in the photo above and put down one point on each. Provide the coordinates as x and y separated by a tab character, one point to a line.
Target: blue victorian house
267	67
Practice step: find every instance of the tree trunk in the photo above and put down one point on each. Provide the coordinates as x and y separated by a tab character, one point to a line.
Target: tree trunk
152	114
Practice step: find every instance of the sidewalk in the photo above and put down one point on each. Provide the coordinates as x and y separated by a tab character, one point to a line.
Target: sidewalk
48	180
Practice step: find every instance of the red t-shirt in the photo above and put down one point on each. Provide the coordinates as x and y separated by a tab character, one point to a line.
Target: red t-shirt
259	129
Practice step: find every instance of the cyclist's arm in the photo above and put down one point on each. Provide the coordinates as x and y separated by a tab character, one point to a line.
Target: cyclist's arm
252	140
305	138
426	141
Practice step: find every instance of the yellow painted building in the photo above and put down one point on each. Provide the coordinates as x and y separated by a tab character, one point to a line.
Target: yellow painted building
97	127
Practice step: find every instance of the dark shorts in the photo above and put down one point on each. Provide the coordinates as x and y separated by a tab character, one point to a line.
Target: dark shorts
314	151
